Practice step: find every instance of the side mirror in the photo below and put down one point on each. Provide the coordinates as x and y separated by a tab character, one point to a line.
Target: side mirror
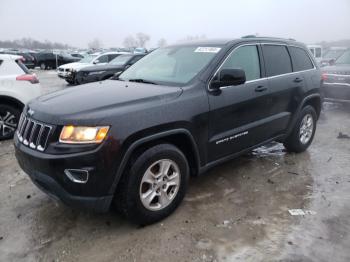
127	66
96	61
228	77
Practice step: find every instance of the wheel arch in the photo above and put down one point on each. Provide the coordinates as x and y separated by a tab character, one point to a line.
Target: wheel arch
181	138
314	100
11	101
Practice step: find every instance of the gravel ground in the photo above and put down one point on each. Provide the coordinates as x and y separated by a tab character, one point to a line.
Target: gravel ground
238	211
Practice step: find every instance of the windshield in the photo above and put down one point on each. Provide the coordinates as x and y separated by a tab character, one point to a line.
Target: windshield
88	59
344	59
171	65
120	60
333	54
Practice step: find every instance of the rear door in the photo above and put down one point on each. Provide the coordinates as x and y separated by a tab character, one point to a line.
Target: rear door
285	86
237	112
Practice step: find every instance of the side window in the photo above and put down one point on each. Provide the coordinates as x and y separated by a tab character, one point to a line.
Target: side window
318	52
301	60
246	58
103	59
135	59
111	57
277	60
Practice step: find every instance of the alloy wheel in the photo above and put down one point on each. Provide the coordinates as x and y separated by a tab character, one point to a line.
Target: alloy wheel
8	124
160	184
306	129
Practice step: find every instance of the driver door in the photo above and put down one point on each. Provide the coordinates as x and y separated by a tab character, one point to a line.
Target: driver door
237	112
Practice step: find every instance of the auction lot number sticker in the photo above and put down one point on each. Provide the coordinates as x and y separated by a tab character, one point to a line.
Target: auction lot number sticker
207	49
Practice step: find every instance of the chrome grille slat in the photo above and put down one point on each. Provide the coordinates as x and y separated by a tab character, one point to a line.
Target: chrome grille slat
32	133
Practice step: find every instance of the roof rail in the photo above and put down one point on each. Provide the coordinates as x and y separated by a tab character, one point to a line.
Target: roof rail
248	36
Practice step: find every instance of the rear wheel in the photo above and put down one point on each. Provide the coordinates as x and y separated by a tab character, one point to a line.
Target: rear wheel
303	132
154	186
9	117
43	66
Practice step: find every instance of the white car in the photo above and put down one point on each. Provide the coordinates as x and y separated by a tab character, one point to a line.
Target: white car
17	87
67	71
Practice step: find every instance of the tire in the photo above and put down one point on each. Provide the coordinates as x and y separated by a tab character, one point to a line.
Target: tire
9	117
298	142
43	66
70	82
135	183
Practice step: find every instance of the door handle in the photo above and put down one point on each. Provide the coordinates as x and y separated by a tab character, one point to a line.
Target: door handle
298	80
260	89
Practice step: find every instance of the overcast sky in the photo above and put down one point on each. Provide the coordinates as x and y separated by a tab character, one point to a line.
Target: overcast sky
78	22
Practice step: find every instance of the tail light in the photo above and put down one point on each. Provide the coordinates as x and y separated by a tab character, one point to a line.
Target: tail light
324	77
28	77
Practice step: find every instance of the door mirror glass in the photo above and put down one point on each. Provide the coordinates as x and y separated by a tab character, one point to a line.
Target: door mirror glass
228	77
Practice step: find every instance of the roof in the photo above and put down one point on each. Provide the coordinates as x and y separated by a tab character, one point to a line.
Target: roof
249	38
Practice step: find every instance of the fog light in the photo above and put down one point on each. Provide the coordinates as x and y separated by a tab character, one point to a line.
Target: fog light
79	176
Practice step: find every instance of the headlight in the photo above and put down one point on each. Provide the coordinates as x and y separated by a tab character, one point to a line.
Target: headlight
83	134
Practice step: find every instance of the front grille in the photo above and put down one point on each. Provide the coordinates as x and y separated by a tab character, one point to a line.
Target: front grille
32	133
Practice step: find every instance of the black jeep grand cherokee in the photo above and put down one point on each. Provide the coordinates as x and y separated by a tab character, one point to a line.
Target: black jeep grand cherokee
182	109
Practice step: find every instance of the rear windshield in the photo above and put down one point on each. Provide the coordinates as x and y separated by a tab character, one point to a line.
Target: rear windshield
344	59
22	66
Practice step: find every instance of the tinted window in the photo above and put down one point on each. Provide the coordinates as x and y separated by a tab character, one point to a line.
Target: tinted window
301	60
246	58
103	59
277	60
111	57
135	59
0	62
318	52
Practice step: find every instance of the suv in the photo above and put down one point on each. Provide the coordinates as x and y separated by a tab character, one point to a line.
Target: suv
68	71
17	87
99	73
51	60
180	110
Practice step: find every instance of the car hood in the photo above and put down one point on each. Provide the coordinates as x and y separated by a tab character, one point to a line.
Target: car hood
102	68
95	102
75	65
337	69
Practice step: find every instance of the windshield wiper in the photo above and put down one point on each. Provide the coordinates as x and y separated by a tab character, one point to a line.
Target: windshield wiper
140	80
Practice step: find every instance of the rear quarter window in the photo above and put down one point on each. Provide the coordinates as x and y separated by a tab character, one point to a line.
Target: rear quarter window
22	66
300	58
277	60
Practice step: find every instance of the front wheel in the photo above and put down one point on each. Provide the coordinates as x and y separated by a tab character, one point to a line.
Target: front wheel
303	132
154	186
9	117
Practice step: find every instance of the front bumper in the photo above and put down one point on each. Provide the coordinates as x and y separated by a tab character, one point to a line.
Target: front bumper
67	75
47	173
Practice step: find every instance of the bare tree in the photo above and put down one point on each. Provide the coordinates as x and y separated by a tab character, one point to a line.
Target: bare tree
95	44
142	39
129	42
162	42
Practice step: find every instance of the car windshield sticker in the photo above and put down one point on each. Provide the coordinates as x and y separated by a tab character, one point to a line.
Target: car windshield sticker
207	49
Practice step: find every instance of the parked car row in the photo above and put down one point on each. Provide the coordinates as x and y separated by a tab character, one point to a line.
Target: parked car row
97	67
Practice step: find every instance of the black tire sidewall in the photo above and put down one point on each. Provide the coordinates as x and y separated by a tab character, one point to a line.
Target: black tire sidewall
135	209
16	112
293	143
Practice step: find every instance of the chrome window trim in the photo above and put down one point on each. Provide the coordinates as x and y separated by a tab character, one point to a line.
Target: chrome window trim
262	78
223	62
